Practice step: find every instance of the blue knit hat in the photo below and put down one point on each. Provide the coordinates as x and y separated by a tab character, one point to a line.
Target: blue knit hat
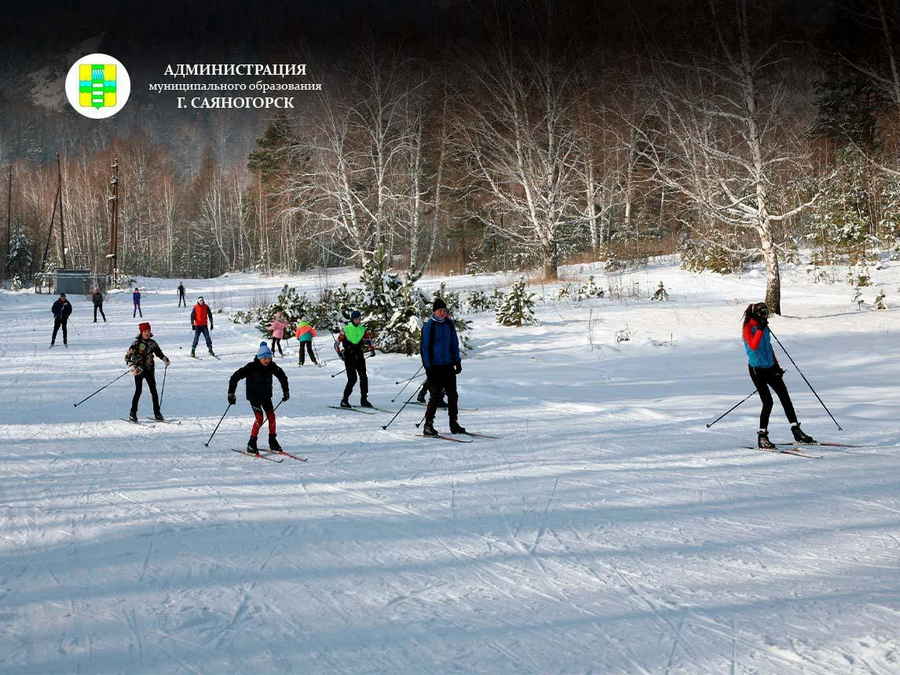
264	351
355	314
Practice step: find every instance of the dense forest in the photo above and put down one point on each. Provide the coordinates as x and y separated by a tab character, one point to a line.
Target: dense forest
507	135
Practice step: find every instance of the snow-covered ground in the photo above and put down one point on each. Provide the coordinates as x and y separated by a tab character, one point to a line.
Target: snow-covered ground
607	531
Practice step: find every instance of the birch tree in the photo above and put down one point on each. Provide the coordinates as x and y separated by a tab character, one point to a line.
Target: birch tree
516	132
725	131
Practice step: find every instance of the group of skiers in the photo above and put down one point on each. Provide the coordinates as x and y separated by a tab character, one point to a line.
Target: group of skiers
280	329
439	350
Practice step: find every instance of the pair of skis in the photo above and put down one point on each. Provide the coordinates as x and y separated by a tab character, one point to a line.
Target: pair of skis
365	411
795	448
271	455
150	421
473	435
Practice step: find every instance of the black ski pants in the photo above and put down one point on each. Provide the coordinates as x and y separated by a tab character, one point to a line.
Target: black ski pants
150	377
276	342
181	300
442	379
424	390
764	378
137	310
57	324
306	346
356	367
100	308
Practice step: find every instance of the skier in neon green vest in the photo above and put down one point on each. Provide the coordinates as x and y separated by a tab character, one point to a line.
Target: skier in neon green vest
355	341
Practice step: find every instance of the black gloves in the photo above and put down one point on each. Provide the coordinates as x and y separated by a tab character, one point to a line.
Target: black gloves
232	399
457	367
285	396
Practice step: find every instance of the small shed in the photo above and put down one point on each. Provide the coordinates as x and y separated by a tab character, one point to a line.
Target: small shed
75	282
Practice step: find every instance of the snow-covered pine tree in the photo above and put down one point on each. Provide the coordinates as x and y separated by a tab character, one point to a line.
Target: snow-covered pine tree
20	257
879	300
517	308
589	289
479	301
661	294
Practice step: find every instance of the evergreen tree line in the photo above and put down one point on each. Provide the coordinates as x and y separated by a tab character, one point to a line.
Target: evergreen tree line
741	147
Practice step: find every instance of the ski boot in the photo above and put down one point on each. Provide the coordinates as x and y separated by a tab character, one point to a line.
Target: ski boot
274	445
455	428
429	430
364	403
132	416
345	403
763	442
193	353
800	436
421	397
212	353
251	446
158	416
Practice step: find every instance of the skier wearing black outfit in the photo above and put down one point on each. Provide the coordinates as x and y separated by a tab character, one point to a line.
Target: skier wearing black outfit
355	341
441	358
61	309
258	374
181	300
97	297
765	373
140	357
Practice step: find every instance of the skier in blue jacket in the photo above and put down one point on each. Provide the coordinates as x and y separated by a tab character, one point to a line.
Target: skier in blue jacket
440	356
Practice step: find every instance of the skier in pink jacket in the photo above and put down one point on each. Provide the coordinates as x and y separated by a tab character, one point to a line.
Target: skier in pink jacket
277	327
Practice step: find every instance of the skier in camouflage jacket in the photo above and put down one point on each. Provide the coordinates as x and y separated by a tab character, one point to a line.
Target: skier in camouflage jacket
140	357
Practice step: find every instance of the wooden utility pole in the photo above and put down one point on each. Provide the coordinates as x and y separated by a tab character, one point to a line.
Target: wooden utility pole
9	218
114	222
62	228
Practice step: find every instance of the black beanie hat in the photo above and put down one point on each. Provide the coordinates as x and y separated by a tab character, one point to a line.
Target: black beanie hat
438	304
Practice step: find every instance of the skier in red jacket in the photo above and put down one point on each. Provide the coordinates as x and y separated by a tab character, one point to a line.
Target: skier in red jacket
201	314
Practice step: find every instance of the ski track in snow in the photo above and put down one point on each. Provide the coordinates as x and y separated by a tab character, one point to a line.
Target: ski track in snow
606	531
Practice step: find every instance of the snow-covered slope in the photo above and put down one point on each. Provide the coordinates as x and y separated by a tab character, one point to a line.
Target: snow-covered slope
607	531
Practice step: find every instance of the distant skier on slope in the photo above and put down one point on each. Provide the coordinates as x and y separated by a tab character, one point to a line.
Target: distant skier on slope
61	309
97	298
305	333
181	300
136	299
277	326
258	374
441	358
352	344
201	314
140	357
765	372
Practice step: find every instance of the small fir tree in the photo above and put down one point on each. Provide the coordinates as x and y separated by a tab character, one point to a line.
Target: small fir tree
517	308
661	294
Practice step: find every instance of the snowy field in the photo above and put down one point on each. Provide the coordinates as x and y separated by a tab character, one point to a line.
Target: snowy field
607	531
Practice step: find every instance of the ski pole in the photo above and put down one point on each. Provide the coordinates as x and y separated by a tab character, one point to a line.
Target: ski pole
396	414
341	371
217	426
840	428
162	393
419	423
411	378
730	409
128	370
397	395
